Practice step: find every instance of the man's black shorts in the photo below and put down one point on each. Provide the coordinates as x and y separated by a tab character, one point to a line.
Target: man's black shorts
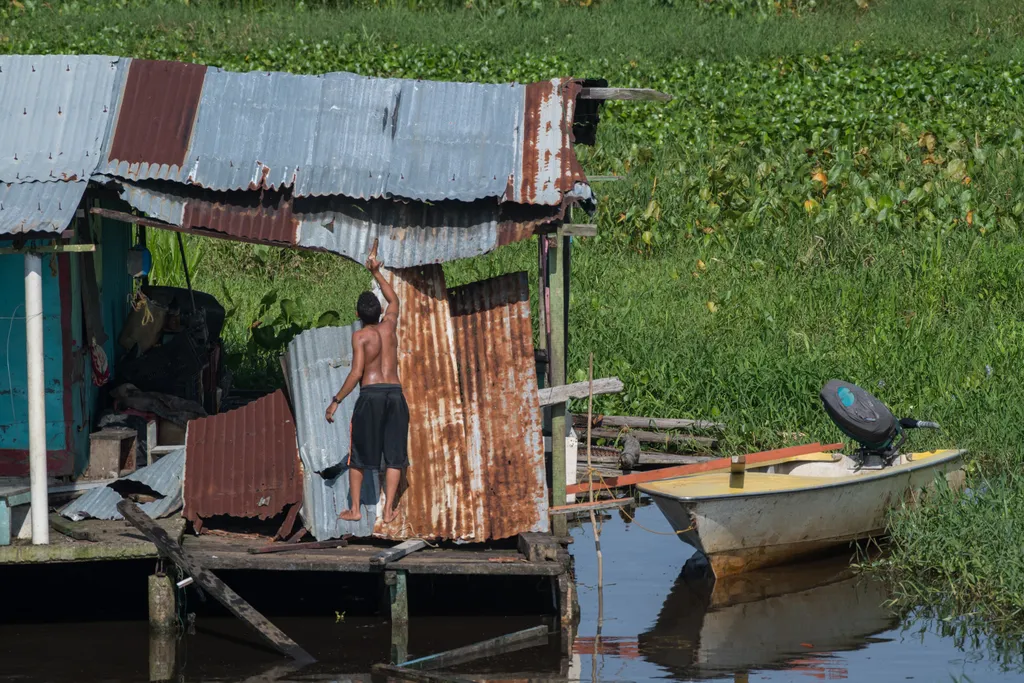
380	428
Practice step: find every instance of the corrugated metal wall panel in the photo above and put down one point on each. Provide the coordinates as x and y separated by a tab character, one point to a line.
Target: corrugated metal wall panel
440	501
494	348
244	463
38	207
55	114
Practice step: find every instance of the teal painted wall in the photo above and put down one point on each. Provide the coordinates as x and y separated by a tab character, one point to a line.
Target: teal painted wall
13	374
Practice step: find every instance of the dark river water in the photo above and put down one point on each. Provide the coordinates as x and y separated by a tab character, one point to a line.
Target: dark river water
816	622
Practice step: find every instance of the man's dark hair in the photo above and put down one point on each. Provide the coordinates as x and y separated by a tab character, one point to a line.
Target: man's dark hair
368	308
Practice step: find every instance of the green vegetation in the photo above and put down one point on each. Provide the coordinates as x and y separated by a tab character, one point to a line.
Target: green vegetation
834	192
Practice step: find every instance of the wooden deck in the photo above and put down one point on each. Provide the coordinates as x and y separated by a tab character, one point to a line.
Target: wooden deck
96	540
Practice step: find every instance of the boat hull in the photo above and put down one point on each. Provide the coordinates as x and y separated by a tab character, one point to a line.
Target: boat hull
740	532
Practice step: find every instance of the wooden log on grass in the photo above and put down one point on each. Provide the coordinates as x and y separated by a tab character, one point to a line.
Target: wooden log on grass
659	423
210	583
656	437
762	459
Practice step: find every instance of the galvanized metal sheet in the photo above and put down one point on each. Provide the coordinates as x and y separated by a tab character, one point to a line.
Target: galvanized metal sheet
440	501
38	207
156	112
324	498
318	362
163	477
410	233
243	463
55	114
494	349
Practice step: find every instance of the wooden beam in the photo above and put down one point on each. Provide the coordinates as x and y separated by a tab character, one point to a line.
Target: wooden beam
649	459
762	459
579	230
397	552
585	507
132	218
520	640
560	394
210	583
556	354
649	423
605	178
50	249
287	547
656	437
624	94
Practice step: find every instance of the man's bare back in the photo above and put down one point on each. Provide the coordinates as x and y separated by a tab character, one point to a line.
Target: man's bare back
380	420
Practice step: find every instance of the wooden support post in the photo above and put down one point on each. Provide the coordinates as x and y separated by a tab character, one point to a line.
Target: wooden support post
150	440
398	591
556	356
163	614
210	583
567	611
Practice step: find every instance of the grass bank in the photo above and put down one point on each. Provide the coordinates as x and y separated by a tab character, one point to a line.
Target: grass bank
832	193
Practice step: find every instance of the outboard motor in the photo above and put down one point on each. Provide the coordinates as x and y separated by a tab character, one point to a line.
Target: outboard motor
866	420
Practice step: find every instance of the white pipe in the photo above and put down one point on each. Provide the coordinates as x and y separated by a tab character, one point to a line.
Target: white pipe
40	506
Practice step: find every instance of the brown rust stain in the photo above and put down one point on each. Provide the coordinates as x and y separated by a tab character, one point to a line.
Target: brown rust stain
243	463
494	348
572	171
537	95
439	501
158	112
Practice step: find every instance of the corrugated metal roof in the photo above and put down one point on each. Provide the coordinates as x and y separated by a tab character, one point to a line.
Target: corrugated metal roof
344	134
55	113
440	501
162	477
244	463
323	499
410	233
38	207
494	349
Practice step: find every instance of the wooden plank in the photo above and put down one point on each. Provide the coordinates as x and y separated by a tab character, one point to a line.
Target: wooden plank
557	354
624	94
50	249
584	507
71	529
520	640
649	459
210	583
133	219
579	230
389	671
560	394
23	496
287	547
538	547
398	552
753	459
655	437
649	423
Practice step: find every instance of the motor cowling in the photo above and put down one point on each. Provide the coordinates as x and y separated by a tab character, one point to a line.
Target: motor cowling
859	415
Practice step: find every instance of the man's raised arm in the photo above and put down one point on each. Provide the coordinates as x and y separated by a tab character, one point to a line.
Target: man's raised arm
373	265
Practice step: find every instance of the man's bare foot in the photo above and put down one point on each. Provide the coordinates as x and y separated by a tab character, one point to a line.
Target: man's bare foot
350	516
389	514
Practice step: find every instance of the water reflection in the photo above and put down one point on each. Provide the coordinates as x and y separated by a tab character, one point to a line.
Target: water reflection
792	618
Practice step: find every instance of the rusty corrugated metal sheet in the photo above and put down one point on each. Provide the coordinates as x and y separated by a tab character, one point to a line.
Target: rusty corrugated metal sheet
155	116
441	500
346	135
38	207
494	349
244	463
55	114
410	233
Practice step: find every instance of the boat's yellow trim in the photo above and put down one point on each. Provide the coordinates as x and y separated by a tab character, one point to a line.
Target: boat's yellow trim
716	484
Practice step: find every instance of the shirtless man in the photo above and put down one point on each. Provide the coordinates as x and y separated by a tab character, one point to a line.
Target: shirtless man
380	420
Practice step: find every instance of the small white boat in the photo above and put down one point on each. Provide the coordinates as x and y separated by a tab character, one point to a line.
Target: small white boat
773	515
